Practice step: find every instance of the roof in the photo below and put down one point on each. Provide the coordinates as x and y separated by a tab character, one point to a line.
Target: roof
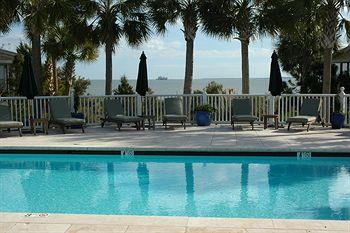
342	55
6	57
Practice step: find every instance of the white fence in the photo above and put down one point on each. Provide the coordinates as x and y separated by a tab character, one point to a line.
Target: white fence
23	109
92	106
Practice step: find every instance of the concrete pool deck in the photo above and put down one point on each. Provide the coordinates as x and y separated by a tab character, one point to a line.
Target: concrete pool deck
213	138
64	223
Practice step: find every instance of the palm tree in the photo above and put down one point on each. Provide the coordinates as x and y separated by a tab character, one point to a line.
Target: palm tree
165	12
297	26
62	44
115	19
236	19
70	41
35	15
333	22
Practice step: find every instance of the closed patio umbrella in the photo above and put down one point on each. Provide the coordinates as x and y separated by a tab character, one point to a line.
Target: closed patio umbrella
142	79
275	86
27	85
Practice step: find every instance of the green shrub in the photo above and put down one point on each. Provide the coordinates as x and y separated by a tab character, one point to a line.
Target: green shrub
204	108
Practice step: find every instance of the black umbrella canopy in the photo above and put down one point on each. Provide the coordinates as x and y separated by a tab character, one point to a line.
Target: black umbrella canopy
142	79
275	86
27	85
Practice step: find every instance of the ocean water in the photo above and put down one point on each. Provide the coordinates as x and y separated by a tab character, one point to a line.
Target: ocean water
175	86
211	186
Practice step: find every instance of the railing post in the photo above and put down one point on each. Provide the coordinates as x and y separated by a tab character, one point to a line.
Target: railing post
71	95
204	98
342	100
138	104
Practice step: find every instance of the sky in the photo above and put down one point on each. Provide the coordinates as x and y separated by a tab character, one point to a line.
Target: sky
213	58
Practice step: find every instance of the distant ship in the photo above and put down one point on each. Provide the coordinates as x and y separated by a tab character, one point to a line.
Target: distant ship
162	78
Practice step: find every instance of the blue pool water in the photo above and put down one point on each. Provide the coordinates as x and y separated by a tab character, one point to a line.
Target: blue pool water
259	187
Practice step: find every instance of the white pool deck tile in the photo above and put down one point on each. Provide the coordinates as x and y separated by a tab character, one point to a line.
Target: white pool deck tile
74	223
213	138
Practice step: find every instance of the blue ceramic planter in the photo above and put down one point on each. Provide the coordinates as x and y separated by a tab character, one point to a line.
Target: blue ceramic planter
337	120
203	118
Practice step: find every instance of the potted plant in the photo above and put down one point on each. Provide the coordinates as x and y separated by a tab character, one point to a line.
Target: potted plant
337	117
77	114
204	114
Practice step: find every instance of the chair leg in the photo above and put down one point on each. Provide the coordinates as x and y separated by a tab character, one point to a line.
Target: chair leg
63	129
252	124
82	128
184	124
20	132
119	126
308	127
165	124
233	125
289	124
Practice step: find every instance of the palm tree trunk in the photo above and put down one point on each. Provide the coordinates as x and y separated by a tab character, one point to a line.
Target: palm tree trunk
54	75
327	71
109	67
245	66
69	71
189	67
36	55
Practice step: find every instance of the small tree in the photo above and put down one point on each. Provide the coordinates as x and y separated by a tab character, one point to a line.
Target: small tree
80	86
124	88
215	88
212	88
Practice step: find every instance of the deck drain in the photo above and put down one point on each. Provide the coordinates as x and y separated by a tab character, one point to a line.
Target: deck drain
36	215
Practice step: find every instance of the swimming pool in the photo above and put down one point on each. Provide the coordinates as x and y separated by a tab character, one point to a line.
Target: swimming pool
208	186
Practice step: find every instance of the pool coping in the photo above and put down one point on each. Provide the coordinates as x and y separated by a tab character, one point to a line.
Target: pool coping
15	221
175	151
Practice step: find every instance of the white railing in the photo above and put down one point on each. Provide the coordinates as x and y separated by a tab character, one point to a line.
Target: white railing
289	105
23	109
346	109
93	106
222	104
154	105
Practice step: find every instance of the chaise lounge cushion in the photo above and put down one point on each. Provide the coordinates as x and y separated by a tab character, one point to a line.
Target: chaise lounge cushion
124	119
244	118
11	124
302	119
69	121
174	118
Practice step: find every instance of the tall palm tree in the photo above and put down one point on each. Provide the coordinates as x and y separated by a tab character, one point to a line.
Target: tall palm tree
236	19
165	12
35	15
117	19
70	40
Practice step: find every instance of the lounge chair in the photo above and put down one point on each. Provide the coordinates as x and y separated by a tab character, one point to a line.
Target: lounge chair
242	112
174	112
309	112
61	115
6	121
114	112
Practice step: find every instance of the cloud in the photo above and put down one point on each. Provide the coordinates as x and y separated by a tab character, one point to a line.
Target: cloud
236	53
155	47
11	41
